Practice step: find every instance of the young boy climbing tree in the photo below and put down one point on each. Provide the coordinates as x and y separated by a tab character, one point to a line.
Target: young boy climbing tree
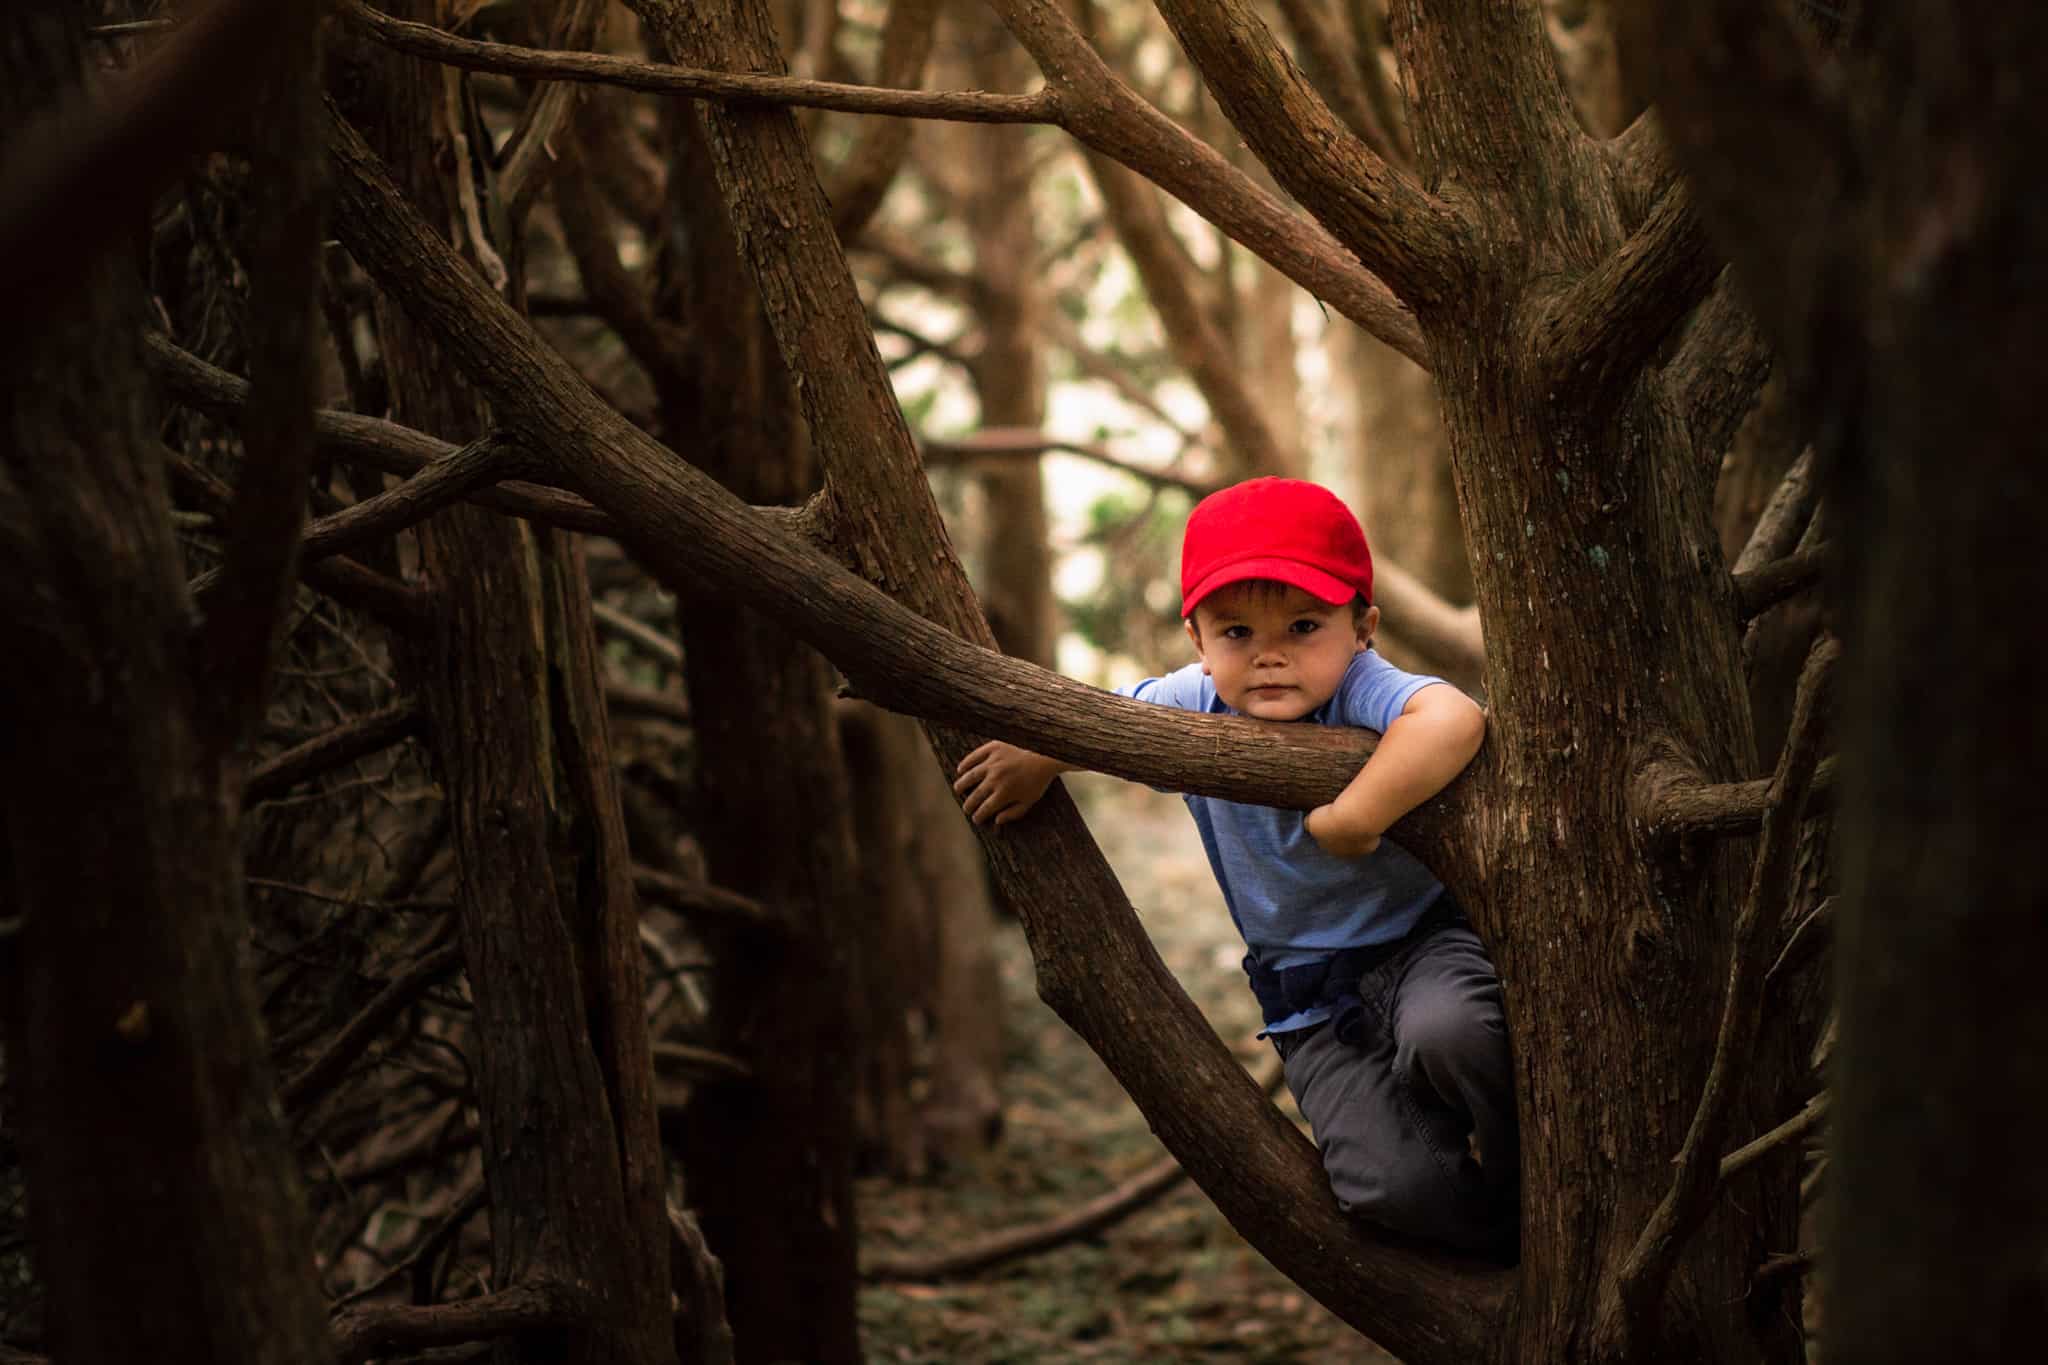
1381	1000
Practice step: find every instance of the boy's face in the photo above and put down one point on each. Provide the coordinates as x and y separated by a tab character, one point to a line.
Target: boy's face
1274	651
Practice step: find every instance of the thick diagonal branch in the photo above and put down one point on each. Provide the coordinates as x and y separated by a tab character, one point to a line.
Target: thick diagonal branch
1606	326
1411	239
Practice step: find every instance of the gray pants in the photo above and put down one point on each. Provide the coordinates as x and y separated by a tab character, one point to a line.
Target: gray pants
1393	1116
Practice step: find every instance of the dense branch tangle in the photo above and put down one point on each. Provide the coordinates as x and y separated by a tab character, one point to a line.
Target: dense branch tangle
1544	271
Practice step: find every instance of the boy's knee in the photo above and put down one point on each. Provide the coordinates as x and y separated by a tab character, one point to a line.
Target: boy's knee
1397	1187
1449	1037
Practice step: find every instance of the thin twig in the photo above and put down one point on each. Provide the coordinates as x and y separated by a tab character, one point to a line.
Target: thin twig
1795	1127
344	744
423	40
662	648
320	1074
1112	1206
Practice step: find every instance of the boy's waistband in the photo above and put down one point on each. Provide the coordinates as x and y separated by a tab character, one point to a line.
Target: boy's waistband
1284	992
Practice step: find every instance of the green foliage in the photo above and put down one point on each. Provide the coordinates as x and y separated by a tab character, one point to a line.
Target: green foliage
1134	605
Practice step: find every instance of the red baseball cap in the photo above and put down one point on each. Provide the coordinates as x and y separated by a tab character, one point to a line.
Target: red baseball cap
1287	530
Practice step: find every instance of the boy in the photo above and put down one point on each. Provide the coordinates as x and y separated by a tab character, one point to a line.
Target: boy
1381	1000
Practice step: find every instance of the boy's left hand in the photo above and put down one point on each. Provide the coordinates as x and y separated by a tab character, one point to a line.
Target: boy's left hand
1339	837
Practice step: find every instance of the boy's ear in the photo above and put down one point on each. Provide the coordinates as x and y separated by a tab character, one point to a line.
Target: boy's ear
1195	634
1367	622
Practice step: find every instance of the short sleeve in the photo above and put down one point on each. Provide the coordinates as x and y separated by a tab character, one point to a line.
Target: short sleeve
1374	692
1188	689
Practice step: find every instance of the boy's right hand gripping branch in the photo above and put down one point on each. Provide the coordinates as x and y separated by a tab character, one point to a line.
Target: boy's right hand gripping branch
1000	782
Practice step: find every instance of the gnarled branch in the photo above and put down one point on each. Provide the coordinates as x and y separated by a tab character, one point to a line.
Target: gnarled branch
1613	318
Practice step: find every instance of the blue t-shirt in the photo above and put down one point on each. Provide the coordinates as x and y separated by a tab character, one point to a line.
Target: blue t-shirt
1293	902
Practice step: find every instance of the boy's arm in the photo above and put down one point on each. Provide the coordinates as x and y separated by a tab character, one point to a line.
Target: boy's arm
999	782
1429	743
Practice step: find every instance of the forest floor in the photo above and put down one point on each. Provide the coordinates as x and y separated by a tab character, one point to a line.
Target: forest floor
1172	1282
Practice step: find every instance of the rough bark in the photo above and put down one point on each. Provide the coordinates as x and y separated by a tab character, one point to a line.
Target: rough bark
148	1108
1914	342
769	1165
544	901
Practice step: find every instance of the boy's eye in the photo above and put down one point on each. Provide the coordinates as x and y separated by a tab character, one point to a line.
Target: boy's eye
1237	632
1305	625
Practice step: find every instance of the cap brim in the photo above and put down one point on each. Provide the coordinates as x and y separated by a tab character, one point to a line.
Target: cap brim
1324	587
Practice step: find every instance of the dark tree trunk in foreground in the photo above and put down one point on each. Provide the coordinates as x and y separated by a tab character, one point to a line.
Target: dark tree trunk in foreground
165	1206
1912	327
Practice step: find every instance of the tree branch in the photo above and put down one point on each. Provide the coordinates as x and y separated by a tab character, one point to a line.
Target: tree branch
877	154
691	532
1758	590
438	45
1198	346
320	1075
395	605
1629	1306
1490	113
1022	441
1795	1127
1611	320
640	701
1716	371
703	1063
343	744
1411	239
1671	801
1112	1206
1778	528
1336	75
702	900
398	449
649	641
1103	112
363	1332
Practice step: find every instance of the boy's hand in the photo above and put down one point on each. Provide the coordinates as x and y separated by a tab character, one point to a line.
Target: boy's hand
1338	836
1000	782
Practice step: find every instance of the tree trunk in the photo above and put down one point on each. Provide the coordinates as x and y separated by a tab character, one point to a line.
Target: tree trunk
770	1164
564	1072
149	1117
1008	369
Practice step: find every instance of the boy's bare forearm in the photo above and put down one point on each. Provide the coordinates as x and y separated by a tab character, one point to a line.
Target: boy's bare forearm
1418	756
